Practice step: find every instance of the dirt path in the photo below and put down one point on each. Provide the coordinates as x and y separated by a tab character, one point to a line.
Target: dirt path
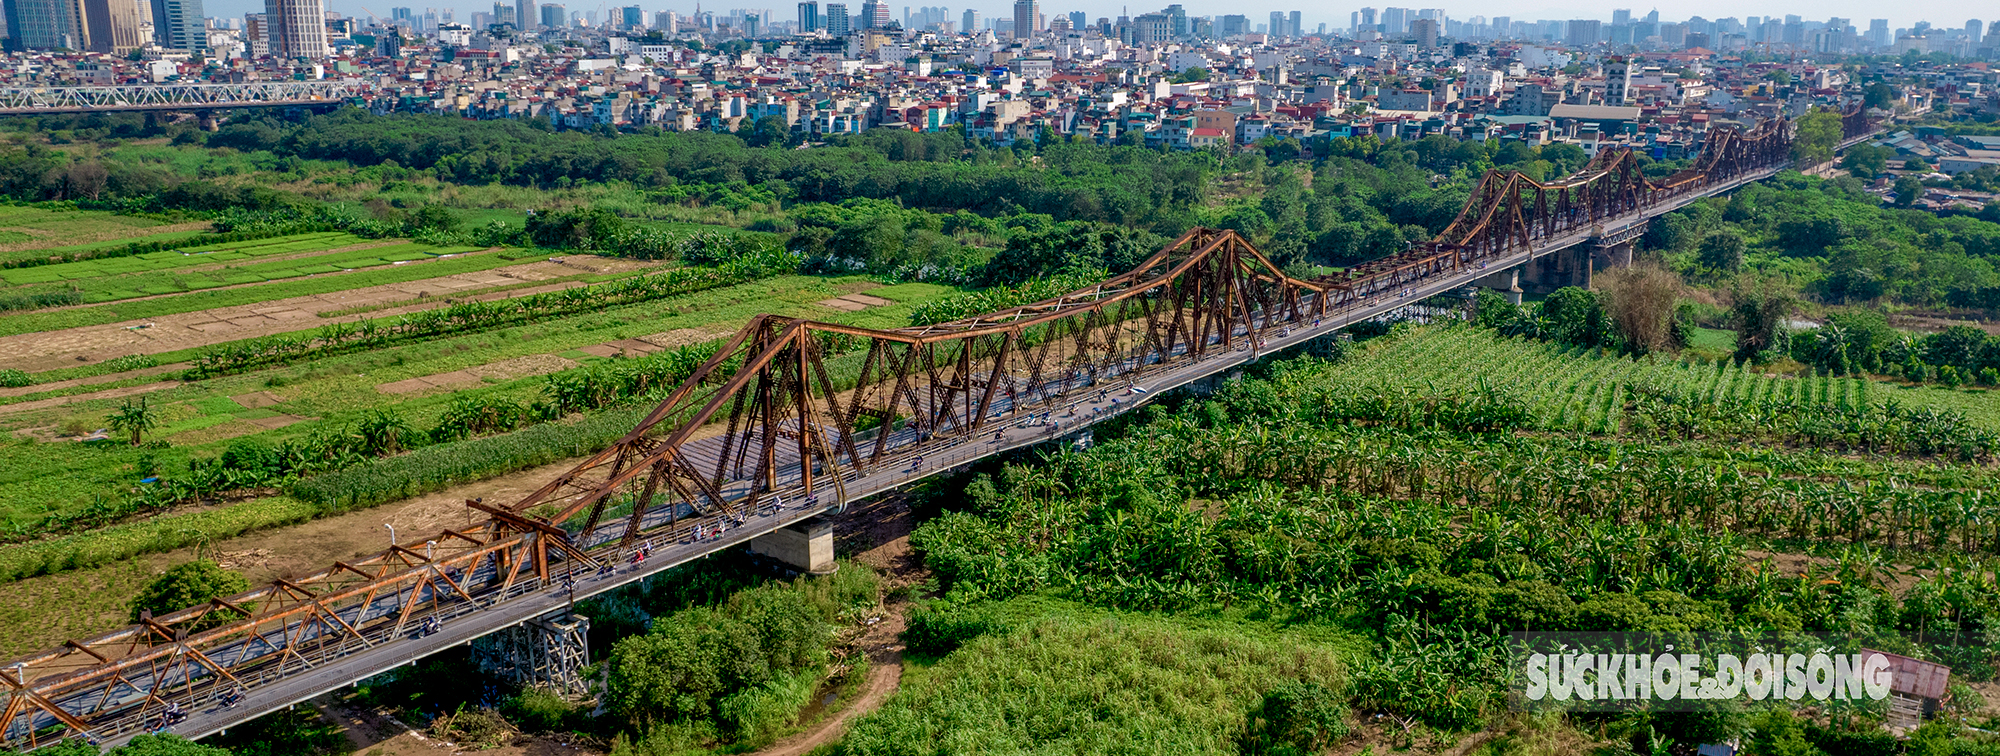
883	678
91	380
58	401
877	534
34	352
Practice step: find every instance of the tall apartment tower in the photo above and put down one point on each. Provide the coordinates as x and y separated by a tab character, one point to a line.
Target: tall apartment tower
809	16
1583	32
970	23
554	16
1425	32
1367	20
1617	79
1025	14
112	26
1296	24
298	28
178	25
837	24
45	24
257	34
525	14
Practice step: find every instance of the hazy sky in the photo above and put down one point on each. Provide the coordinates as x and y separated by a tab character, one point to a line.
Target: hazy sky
1939	12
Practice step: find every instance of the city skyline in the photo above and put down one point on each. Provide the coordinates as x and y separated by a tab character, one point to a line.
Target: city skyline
1936	12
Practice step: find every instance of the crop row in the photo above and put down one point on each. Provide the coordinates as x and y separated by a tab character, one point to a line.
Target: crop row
470	316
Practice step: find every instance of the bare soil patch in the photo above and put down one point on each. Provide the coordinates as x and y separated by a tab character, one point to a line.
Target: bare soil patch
73	398
34	352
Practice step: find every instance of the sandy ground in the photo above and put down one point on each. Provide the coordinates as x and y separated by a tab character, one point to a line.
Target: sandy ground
35	352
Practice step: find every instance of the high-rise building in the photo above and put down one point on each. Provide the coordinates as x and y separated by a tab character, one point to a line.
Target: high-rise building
1617	79
1395	20
1621	16
752	25
298	28
875	14
1277	27
668	22
1153	28
503	13
1296	24
633	17
1972	30
45	25
1364	20
112	25
525	15
1078	20
1177	20
836	19
256	35
178	25
1503	27
1425	32
809	17
554	16
970	24
1583	32
1235	25
1026	13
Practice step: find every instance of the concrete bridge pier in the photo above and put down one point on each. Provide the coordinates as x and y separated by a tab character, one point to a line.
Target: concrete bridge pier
806	545
1507	282
208	120
1557	269
1613	256
548	652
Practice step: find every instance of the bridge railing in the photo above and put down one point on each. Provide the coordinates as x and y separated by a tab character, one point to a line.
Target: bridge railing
766	421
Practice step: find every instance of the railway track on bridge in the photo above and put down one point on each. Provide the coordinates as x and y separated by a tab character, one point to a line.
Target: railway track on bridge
793	419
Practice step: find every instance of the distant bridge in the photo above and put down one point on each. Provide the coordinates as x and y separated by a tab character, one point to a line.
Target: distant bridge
792	419
141	97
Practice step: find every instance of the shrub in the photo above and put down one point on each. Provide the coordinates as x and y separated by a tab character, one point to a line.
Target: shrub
679	670
11	378
434	467
1296	717
540	710
186	585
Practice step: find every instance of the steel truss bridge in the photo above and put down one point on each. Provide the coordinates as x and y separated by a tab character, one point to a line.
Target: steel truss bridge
792	419
114	99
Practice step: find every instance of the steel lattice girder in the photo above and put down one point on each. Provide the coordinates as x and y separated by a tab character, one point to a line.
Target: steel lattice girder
20	100
784	422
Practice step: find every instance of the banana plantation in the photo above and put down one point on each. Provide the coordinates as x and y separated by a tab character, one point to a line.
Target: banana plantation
1433	489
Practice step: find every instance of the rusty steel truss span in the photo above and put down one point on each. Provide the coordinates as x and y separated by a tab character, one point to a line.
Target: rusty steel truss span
32	100
792	418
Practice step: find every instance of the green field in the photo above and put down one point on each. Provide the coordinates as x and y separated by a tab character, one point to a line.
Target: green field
176	271
199	419
1572	388
297	285
54	229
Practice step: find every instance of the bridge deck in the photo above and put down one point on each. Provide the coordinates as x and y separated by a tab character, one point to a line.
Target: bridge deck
377	622
464	621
